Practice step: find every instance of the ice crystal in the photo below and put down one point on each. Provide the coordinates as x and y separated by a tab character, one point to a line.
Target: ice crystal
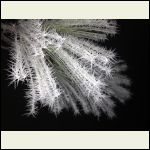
64	66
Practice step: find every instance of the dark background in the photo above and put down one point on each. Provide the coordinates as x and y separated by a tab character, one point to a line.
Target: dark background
132	44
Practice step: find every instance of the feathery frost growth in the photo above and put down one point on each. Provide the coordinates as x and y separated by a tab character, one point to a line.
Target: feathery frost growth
65	67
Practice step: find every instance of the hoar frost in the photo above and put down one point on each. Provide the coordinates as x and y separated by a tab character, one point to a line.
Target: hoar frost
64	66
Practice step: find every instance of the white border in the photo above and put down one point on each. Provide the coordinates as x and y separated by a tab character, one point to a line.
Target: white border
75	140
75	9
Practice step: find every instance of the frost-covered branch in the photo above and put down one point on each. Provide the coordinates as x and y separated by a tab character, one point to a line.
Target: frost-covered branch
63	67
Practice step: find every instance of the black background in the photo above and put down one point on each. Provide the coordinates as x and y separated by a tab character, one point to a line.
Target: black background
132	44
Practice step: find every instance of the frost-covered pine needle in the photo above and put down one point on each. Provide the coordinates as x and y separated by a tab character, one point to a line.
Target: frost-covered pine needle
64	66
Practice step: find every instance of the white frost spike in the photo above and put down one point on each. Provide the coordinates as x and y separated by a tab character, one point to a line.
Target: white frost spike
17	67
30	64
64	66
88	83
90	53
